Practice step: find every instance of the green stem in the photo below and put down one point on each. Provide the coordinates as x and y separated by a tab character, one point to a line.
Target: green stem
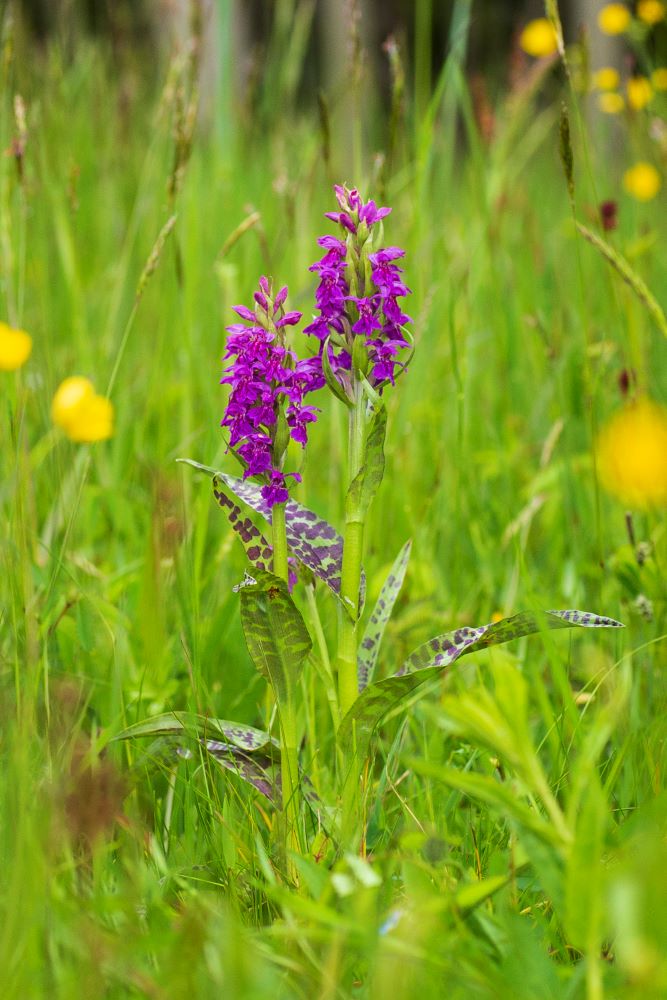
550	803
324	662
279	541
348	687
347	640
289	757
594	983
289	766
353	544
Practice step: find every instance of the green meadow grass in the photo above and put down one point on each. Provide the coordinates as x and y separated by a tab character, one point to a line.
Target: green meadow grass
129	873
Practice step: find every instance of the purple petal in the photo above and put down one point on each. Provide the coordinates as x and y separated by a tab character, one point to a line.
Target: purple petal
289	319
244	313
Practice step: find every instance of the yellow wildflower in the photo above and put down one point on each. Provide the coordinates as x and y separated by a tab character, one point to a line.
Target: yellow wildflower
80	412
538	38
650	11
606	78
659	78
632	455
642	181
640	92
614	18
15	348
611	103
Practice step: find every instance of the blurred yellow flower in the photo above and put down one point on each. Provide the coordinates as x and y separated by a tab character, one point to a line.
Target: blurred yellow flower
632	455
611	103
640	92
650	11
606	78
538	38
15	348
614	18
80	412
659	78
642	181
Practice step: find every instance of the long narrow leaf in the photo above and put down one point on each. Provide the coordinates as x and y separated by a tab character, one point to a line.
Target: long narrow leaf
250	753
365	485
246	738
370	643
429	660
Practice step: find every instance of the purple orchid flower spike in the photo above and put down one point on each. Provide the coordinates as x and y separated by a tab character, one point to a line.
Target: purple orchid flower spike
268	387
357	297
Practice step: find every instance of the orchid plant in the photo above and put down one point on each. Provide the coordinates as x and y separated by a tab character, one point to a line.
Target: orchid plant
363	346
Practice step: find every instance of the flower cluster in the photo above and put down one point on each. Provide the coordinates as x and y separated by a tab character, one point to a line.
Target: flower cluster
268	386
357	296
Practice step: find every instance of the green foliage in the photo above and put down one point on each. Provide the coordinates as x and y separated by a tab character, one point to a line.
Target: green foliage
187	723
629	275
369	647
516	810
274	630
431	659
365	484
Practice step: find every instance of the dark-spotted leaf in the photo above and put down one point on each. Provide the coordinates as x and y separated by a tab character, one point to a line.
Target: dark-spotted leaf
365	485
246	738
311	539
370	643
157	756
430	659
445	648
257	549
275	633
260	770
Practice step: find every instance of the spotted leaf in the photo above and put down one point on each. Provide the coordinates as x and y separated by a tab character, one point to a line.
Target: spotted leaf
430	659
260	770
245	738
263	772
312	540
257	549
370	643
275	633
